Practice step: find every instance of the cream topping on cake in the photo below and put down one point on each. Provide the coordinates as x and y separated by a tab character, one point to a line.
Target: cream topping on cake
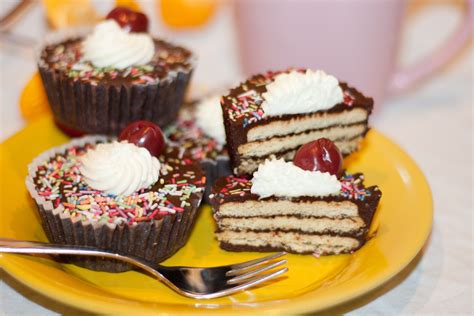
111	46
209	118
279	178
296	92
119	168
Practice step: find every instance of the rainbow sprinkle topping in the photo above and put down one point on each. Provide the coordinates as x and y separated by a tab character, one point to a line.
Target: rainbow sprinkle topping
59	181
244	102
185	133
67	57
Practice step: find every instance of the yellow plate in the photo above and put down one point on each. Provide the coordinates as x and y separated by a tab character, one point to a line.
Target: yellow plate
403	220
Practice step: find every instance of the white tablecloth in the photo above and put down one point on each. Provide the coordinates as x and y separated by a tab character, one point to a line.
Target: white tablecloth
433	123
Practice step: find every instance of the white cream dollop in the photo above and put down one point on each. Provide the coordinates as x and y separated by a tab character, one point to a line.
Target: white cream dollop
119	168
277	177
209	118
296	92
111	46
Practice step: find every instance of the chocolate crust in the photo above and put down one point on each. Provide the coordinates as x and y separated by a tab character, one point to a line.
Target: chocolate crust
100	109
152	241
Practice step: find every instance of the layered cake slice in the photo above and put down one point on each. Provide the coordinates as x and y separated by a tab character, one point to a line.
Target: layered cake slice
277	112
284	207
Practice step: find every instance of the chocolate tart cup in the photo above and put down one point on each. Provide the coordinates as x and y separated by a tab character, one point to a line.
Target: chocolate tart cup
106	108
153	241
214	169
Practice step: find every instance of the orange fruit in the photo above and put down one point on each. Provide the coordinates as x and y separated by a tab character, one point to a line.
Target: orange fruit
131	4
187	13
33	100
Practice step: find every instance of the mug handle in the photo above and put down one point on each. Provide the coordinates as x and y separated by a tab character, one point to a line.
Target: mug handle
404	78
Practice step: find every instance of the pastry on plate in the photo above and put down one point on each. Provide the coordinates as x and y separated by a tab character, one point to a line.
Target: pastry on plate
199	131
277	112
306	206
100	80
134	196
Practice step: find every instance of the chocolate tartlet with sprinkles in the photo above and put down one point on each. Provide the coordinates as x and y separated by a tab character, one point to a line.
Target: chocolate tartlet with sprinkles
115	195
98	82
199	130
307	207
276	112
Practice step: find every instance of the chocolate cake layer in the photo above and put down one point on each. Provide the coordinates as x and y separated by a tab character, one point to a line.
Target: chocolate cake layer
245	122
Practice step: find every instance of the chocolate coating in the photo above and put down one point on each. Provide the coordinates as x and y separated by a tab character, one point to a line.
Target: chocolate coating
241	114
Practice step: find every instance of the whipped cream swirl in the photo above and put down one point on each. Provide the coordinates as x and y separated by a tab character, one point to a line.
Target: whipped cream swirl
209	118
279	178
296	92
111	46
119	168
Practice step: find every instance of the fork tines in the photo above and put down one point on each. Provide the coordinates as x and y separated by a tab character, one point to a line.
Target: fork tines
250	273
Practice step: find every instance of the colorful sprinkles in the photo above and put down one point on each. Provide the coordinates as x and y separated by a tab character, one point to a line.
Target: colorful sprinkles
59	181
244	102
67	57
192	139
351	187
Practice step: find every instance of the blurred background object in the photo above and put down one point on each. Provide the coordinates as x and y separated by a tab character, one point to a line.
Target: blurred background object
187	13
61	14
357	41
33	101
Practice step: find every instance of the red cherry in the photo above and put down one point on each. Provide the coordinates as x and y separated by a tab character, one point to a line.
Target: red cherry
321	155
144	134
131	21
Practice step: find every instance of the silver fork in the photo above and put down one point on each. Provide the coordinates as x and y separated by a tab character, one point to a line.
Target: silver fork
194	282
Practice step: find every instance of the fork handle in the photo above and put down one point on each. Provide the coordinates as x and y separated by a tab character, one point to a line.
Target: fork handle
33	247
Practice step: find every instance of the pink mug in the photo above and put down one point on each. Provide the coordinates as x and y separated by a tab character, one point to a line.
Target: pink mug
355	40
